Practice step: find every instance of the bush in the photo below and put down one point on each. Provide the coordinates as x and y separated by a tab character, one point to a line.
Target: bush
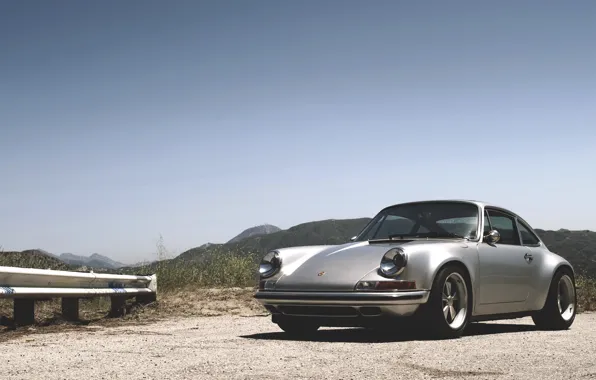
586	293
224	271
221	270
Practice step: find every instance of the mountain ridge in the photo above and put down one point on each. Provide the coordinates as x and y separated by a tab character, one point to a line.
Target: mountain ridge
260	230
94	260
327	231
577	246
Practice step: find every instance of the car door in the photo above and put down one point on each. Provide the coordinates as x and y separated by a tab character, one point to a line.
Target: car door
534	259
504	269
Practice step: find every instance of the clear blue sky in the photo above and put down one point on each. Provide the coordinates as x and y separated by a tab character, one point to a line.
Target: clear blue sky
121	120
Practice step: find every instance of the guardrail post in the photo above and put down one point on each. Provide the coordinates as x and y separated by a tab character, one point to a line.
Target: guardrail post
70	309
145	299
118	306
24	311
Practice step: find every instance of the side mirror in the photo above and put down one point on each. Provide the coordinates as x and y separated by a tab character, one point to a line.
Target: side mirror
492	237
353	238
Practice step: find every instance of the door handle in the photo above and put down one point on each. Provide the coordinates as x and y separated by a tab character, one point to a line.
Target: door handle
528	257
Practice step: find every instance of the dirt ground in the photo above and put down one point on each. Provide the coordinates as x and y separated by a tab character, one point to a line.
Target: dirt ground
251	347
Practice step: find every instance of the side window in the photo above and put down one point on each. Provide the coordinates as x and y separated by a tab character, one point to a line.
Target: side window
465	226
506	226
528	238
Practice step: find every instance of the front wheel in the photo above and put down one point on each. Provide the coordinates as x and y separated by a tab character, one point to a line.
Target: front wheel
298	327
559	310
447	312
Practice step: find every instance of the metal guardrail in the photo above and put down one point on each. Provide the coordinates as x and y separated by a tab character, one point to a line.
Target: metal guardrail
25	285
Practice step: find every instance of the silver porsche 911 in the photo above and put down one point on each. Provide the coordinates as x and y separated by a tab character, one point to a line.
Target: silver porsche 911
441	264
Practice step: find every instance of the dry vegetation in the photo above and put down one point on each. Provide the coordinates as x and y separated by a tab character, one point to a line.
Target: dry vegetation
586	293
223	286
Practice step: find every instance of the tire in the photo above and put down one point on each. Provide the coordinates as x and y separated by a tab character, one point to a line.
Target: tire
433	317
298	327
561	291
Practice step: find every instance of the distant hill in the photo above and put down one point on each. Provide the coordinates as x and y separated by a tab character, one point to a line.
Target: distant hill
579	247
261	230
33	258
38	258
331	231
94	261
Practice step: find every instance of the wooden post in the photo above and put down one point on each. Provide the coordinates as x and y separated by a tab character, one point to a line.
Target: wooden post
24	311
70	309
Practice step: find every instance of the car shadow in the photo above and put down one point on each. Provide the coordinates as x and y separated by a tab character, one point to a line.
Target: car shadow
363	335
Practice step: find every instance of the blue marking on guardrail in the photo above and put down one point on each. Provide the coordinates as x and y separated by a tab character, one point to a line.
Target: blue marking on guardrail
7	290
116	287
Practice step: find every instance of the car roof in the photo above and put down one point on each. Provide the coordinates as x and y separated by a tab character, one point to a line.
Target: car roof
475	202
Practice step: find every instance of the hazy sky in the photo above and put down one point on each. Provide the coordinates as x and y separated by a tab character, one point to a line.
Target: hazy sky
123	120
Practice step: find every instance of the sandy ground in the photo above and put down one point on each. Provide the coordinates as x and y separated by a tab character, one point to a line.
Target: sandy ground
236	347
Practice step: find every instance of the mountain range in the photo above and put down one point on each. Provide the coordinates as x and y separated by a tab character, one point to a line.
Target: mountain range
263	229
39	258
579	247
330	231
94	261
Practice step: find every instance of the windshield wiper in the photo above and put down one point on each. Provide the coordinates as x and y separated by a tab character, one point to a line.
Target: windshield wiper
448	235
401	236
393	238
431	235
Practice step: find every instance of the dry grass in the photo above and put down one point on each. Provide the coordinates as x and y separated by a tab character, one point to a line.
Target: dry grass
224	270
212	302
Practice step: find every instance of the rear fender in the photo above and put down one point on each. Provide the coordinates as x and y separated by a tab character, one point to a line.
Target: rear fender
551	264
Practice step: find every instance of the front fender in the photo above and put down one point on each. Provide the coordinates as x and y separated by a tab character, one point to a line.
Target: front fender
293	257
425	262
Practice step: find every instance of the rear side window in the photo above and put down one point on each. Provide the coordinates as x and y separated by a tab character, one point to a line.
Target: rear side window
528	238
505	224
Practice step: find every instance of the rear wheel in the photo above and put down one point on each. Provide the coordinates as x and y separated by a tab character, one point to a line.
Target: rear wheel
447	312
559	310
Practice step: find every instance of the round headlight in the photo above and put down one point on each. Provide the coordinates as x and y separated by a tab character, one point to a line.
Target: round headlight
270	264
393	262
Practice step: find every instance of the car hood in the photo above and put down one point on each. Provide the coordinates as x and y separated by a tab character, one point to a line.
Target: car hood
340	267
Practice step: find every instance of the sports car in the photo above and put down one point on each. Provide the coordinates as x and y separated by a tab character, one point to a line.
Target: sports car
441	264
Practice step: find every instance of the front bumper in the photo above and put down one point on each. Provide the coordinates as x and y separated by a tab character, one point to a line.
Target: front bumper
340	305
343	298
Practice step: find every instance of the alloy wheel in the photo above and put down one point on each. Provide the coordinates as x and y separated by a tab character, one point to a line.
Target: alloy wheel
455	300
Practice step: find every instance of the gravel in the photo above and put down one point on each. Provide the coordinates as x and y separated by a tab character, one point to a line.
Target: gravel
253	347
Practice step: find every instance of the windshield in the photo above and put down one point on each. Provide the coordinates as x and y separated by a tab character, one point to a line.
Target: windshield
424	219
